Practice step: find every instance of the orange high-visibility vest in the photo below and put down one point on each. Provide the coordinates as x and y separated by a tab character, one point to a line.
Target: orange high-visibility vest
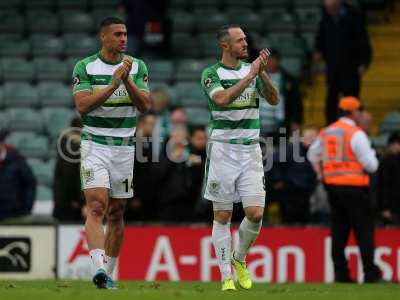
339	163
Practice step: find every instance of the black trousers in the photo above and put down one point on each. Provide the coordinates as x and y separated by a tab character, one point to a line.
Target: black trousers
341	82
351	208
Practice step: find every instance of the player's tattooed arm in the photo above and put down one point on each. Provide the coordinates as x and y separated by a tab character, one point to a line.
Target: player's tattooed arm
141	99
269	91
227	96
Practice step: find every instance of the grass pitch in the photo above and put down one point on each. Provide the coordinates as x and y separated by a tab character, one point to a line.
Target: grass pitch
83	290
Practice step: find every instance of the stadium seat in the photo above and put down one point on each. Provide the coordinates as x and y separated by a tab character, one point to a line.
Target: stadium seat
161	70
46	45
21	48
178	5
307	3
43	171
20	94
209	45
278	21
209	22
100	14
72	4
42	21
391	123
104	3
249	21
198	116
185	46
190	69
3	120
11	22
44	193
287	44
39	4
216	4
252	4
309	18
55	94
80	45
10	37
56	120
70	63
16	69
293	65
268	4
76	21
309	38
10	3
24	119
182	21
190	94
1	101
50	69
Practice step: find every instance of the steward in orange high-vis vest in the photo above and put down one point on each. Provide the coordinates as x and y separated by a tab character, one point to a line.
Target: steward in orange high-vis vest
342	158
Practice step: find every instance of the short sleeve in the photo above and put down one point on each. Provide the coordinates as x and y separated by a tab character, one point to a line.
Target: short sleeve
80	77
210	82
142	77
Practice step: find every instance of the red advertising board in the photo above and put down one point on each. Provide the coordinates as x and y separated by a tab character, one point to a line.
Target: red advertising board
279	255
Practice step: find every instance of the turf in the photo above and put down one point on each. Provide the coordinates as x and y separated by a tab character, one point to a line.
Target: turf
81	290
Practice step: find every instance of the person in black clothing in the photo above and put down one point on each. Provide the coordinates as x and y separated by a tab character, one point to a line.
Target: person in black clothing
388	192
342	41
17	183
67	193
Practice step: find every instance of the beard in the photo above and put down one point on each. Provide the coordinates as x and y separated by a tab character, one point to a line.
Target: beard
241	55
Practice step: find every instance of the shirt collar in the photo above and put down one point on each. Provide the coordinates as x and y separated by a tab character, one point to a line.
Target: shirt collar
348	121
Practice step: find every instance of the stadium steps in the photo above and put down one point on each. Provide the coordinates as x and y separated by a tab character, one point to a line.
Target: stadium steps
380	91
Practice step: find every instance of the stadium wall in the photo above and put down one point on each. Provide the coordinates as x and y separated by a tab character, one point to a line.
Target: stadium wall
185	253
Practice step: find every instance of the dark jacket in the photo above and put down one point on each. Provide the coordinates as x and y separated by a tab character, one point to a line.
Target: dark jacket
293	100
388	189
17	185
343	40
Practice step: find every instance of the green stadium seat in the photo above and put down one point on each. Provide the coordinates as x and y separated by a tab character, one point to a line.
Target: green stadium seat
182	21
272	4
278	21
10	37
190	94
249	21
252	4
76	21
161	70
209	22
1	101
391	122
185	46
20	48
100	14
288	44
46	45
209	45
293	65
178	4
309	18
50	69
190	69
55	94
206	4
16	69
11	22
39	4
70	63
72	4
44	193
24	119
43	171
56	120
168	88
3	120
20	95
42	21
104	3
198	116
10	3
309	38
307	3
80	45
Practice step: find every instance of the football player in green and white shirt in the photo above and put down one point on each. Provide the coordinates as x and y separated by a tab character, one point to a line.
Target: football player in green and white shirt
234	169
108	87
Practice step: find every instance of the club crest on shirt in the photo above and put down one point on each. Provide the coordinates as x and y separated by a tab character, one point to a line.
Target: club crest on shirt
214	187
76	80
87	175
208	82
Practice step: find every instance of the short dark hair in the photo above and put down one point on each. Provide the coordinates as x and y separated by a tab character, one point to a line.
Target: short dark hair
194	128
224	31
110	21
394	138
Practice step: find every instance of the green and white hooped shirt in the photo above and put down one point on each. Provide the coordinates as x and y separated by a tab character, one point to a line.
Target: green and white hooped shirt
114	122
239	122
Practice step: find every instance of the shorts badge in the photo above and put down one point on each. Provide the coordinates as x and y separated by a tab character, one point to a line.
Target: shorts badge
214	187
87	175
